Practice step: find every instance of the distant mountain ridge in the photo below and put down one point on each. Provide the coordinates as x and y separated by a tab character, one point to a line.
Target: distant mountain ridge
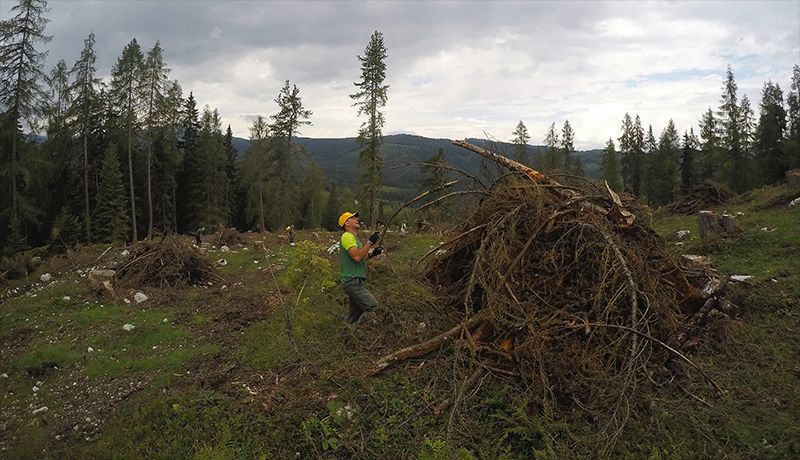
338	157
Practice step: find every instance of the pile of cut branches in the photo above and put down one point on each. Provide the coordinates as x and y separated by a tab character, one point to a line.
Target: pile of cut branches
567	289
227	237
701	197
168	262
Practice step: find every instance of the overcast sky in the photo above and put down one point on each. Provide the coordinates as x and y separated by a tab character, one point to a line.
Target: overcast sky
455	69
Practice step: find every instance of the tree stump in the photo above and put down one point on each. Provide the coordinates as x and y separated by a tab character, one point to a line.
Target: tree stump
793	179
713	225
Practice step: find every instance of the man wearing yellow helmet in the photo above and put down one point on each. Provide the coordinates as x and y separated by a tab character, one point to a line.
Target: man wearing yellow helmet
353	257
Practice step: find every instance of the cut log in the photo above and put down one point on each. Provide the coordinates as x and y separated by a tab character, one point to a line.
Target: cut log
713	225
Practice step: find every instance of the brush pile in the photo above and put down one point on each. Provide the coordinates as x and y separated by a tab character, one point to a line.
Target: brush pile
169	262
570	291
707	195
227	237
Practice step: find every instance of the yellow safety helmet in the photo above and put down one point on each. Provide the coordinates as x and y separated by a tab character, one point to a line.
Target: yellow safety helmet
346	215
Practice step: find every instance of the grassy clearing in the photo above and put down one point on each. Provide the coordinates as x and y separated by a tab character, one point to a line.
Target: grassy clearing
312	394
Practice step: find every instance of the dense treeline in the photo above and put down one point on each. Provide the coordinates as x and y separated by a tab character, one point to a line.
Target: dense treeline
734	147
87	160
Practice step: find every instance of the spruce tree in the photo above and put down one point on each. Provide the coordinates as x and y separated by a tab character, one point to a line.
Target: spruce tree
550	159
792	145
664	166
770	135
190	169
370	97
521	138
637	156
687	161
110	216
235	196
20	96
747	130
256	176
567	147
125	80
84	112
609	166
626	151
649	152
709	147
286	125
730	120
153	87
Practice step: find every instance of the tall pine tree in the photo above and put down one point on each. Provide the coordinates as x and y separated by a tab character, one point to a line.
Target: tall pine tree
286	125
125	80
21	99
370	97
85	113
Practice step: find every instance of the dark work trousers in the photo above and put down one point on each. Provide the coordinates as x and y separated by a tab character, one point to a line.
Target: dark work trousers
361	300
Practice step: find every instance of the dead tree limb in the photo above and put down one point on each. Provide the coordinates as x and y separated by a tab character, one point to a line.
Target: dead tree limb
617	213
412	201
426	347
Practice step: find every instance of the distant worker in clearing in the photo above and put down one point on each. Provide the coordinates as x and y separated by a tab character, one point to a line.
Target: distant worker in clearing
353	257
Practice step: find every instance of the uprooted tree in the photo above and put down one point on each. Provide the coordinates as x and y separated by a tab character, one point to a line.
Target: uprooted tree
568	290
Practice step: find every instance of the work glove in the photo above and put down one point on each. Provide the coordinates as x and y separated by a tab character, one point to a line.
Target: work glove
375	252
373	239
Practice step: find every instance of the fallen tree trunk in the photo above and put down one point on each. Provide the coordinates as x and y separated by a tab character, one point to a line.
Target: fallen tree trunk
422	349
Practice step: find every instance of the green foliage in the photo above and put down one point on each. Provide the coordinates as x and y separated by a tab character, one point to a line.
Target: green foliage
308	271
521	138
325	431
198	424
610	168
110	215
663	167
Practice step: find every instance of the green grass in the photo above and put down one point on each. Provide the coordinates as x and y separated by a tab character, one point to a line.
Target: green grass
198	424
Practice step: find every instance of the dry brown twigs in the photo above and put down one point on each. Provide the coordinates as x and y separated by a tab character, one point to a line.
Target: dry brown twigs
574	286
168	262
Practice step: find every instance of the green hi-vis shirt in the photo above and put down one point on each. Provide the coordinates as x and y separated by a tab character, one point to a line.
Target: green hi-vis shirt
350	268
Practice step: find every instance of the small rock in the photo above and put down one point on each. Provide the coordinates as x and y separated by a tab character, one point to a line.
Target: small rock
740	278
90	350
128	327
682	234
795	202
126	300
225	249
66	298
40	410
165	320
421	327
222	262
46	278
35	389
3	376
139	297
125	253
